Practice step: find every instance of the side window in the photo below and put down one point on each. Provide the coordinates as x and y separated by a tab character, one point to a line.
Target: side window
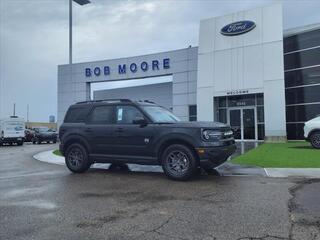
102	115
126	114
76	115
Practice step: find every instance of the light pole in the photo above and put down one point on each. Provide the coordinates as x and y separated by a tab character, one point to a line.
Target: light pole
80	2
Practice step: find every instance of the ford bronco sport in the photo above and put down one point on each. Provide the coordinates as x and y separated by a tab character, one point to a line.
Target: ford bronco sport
123	131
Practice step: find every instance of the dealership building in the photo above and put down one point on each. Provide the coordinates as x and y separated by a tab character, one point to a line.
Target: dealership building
247	71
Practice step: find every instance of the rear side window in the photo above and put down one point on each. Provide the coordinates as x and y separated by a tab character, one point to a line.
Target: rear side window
76	115
102	115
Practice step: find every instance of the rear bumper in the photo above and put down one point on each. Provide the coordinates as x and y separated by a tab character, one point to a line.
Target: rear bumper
211	157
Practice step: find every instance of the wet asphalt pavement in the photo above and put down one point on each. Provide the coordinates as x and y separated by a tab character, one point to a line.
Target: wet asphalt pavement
45	201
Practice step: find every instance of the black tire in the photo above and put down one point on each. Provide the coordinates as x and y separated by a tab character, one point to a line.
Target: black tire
315	139
76	158
20	143
54	141
179	162
39	141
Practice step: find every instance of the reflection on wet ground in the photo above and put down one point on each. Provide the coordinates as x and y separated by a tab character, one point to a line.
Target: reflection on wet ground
225	169
243	147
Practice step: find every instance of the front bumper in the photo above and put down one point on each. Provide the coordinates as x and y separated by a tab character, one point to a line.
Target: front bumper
211	157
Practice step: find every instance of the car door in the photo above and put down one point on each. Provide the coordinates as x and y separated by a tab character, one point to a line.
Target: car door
134	139
101	129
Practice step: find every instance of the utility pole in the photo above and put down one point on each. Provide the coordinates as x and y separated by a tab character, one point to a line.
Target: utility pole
27	112
14	109
70	32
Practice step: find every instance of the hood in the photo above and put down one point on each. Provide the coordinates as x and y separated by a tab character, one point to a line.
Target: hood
316	119
199	124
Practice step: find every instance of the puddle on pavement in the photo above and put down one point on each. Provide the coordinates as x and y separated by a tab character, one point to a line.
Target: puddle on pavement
21	192
37	203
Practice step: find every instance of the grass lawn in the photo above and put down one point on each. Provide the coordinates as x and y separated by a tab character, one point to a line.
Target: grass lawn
57	152
281	155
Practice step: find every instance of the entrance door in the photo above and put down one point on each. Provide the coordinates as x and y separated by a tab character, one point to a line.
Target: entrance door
243	123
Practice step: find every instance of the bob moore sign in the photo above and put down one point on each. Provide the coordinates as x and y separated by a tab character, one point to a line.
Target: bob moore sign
144	66
237	28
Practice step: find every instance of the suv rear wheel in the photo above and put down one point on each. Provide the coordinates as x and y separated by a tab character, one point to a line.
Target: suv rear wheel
76	158
179	162
315	139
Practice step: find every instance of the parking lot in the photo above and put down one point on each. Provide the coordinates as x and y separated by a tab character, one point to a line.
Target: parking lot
45	201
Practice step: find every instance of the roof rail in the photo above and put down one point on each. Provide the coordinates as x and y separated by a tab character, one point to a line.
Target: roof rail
106	100
148	101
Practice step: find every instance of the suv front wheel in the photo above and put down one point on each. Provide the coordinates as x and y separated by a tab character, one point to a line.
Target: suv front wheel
315	139
77	159
179	162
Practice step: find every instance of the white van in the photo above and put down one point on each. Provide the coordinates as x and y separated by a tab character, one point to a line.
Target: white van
12	130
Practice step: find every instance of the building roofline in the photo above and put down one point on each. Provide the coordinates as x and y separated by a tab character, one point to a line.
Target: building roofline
119	58
301	29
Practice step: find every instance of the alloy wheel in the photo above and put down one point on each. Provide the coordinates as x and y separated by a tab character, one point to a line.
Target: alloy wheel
75	157
178	162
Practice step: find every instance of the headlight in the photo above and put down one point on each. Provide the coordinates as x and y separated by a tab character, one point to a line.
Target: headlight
228	133
211	134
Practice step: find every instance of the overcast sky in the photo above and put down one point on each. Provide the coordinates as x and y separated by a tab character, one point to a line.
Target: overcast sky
34	38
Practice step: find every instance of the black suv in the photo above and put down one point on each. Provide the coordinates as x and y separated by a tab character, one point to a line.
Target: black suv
122	131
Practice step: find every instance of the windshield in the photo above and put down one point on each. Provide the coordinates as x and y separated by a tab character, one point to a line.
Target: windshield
44	129
160	114
14	126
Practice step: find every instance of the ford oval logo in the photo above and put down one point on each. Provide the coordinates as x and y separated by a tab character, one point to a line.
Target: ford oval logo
237	28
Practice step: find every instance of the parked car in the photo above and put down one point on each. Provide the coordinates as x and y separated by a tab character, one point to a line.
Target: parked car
44	134
29	135
312	132
123	131
12	130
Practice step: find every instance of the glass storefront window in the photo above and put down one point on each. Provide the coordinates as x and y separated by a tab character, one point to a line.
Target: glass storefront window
302	113
222	102
301	41
295	131
303	95
302	77
192	112
241	100
222	115
260	114
241	111
302	59
261	133
260	100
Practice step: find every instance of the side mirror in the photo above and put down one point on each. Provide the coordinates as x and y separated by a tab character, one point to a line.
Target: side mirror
140	121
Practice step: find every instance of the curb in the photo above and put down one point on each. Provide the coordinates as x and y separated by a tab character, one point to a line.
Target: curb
49	157
293	172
